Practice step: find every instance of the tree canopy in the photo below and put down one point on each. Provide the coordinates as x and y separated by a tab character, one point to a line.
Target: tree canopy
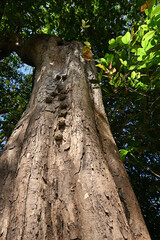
125	43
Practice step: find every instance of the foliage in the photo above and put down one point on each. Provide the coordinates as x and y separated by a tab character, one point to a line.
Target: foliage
15	89
87	52
131	97
107	19
137	59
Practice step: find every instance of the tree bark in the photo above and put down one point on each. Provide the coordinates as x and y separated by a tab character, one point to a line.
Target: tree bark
61	176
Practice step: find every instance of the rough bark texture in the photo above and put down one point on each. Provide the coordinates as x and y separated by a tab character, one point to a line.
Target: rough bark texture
61	176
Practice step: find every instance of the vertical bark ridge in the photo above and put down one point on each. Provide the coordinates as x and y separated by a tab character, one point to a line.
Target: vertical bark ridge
116	167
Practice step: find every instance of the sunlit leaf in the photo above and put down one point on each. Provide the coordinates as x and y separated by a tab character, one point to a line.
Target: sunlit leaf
87	44
112	43
123	62
148	35
101	66
83	23
155	11
132	67
126	38
133	74
103	61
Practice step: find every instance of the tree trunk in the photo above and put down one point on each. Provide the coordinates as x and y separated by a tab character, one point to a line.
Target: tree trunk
61	176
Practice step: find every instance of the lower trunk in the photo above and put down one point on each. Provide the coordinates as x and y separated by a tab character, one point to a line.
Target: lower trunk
61	176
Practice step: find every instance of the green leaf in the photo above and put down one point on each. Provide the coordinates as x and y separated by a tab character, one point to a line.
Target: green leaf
144	27
123	62
148	41
123	153
132	67
117	84
83	23
140	51
103	61
148	35
119	39
133	75
109	58
141	66
87	43
126	38
134	50
19	98
112	43
155	22
138	75
144	44
155	11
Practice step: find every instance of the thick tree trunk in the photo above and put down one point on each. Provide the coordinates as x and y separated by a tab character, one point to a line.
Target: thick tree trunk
61	176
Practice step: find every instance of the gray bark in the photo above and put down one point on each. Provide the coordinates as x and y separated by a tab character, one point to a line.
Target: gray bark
61	176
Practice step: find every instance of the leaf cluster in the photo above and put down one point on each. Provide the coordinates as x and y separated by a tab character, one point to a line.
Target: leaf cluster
15	89
131	97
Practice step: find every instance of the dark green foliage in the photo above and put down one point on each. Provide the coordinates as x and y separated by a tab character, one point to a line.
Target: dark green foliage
107	19
15	90
136	131
131	97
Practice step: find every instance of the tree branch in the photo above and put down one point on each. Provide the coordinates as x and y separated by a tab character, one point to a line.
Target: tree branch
153	172
7	45
27	49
